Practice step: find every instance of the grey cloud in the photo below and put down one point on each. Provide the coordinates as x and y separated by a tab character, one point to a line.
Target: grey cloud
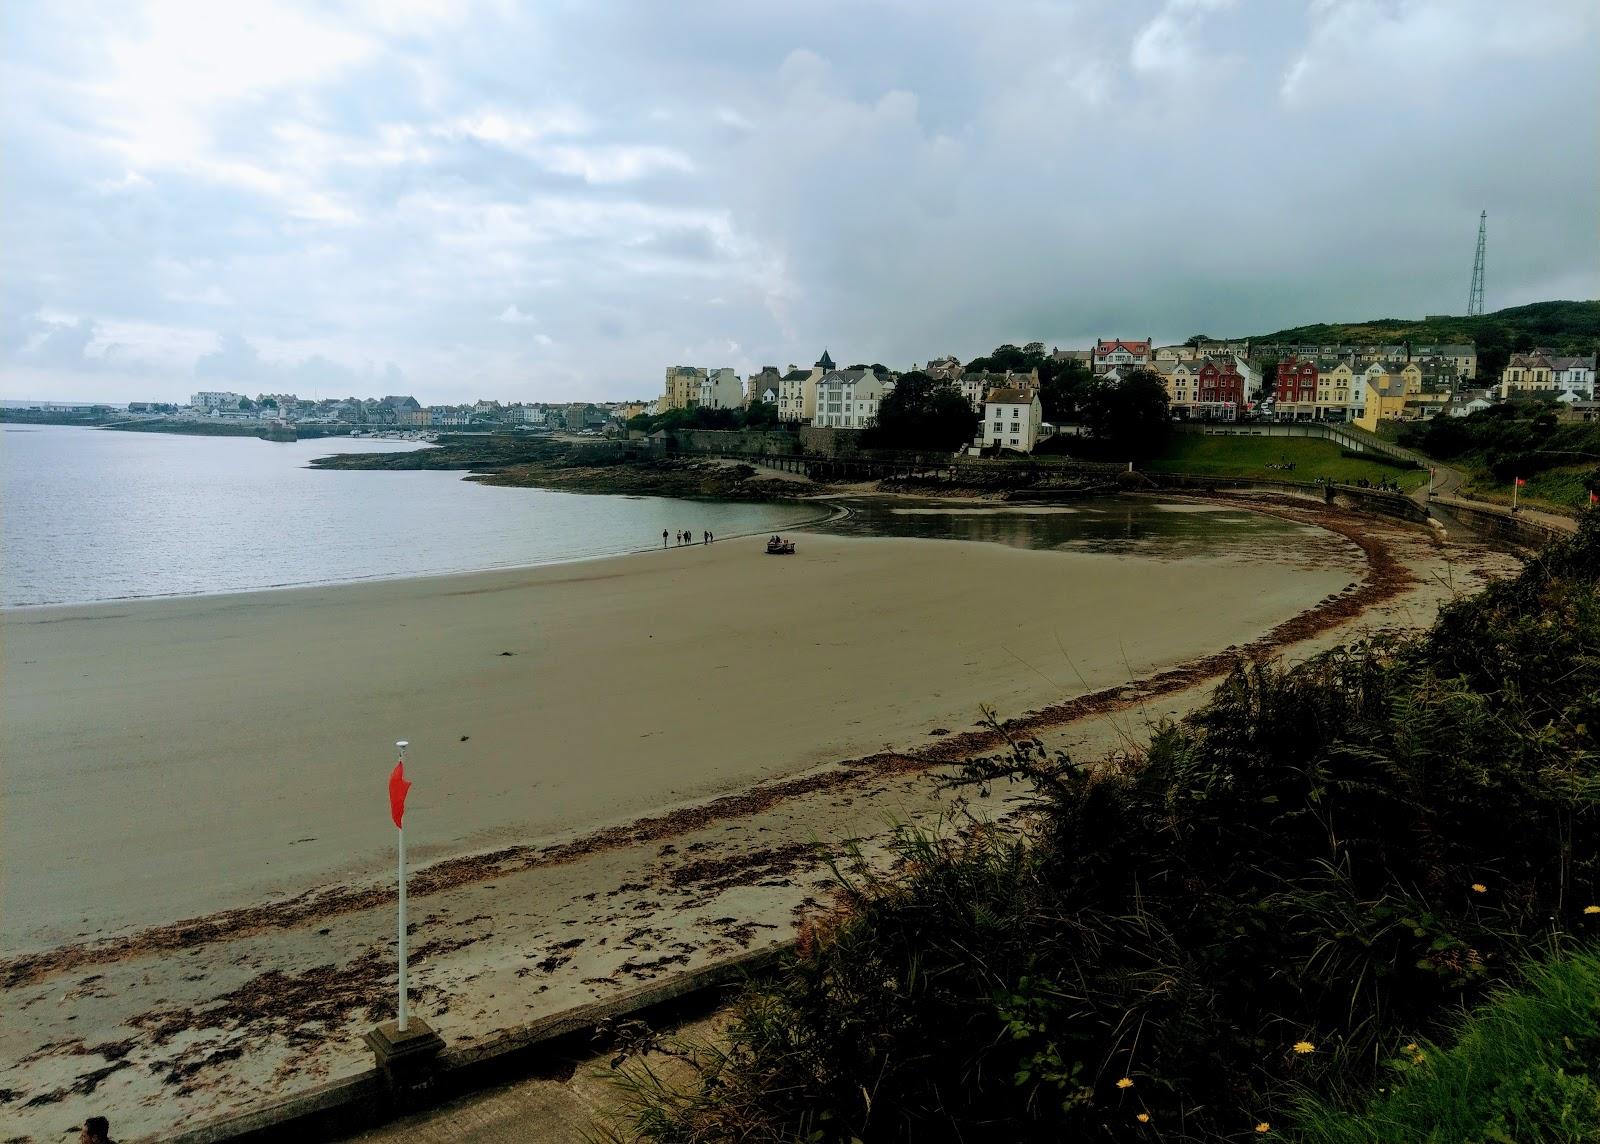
900	181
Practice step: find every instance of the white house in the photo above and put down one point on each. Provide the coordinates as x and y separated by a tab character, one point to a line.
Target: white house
1010	420
209	402
1574	376
721	389
1119	351
848	399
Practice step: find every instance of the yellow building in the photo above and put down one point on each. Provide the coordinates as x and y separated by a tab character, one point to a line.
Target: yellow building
683	387
1528	374
1336	383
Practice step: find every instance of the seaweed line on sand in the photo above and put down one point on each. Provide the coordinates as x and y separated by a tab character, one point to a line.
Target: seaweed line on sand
1385	578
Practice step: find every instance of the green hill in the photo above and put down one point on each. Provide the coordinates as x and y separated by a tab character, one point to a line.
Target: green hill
1572	327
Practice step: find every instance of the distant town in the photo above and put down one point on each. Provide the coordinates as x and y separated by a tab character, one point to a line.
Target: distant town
1203	380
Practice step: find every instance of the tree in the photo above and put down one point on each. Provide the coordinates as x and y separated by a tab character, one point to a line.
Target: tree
761	415
1198	339
1009	357
920	413
1062	386
1128	417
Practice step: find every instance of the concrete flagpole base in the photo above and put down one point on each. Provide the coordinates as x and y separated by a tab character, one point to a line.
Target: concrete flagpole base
408	1060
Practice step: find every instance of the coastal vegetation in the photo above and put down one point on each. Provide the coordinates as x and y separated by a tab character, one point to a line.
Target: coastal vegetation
921	413
1232	931
1560	459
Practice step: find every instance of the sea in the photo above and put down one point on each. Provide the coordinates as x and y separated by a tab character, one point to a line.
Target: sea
93	514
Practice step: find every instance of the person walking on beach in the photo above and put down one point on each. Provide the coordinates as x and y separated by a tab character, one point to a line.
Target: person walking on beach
705	538
663	538
96	1130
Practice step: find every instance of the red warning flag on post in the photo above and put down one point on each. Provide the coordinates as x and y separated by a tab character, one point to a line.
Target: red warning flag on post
398	786
1520	482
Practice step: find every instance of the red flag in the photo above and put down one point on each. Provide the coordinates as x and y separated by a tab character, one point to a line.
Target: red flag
1594	497
397	794
1520	482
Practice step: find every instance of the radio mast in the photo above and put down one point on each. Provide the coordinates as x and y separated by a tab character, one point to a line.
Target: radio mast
1475	298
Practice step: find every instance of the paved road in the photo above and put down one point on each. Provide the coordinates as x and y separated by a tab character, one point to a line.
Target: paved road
1447	485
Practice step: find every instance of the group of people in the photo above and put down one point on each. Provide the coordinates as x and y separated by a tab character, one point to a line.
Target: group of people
685	536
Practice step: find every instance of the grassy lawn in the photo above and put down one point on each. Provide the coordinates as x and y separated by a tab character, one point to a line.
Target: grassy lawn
1249	457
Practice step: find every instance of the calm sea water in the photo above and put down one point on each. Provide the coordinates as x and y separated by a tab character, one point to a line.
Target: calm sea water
87	514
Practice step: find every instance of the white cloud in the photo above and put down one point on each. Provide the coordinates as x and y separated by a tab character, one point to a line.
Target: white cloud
514	316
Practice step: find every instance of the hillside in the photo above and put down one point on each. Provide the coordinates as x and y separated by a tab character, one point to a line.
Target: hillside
1569	326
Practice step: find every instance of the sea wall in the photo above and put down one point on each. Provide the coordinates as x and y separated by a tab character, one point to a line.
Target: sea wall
1499	524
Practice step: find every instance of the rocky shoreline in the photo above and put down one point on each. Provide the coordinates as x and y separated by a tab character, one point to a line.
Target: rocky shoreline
599	468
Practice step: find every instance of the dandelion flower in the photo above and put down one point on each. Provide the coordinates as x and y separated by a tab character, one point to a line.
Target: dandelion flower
1591	909
1412	1047
1125	1082
1304	1047
1479	888
1263	1128
1143	1118
1419	1058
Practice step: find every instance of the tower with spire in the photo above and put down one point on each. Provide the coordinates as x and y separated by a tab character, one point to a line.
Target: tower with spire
825	362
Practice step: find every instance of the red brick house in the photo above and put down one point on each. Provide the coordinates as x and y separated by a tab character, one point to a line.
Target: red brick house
1220	387
1295	394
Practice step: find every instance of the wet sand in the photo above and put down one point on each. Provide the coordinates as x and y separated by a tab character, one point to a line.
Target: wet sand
130	725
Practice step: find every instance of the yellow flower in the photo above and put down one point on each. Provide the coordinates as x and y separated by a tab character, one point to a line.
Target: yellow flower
1591	909
1419	1058
1143	1118
1304	1047
1125	1082
1263	1128
1479	888
1412	1047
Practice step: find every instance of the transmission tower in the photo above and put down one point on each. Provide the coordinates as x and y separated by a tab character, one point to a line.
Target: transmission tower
1475	298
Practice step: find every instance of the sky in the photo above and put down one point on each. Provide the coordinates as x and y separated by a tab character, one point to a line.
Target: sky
556	201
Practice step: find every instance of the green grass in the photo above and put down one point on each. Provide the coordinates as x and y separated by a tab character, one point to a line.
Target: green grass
1218	456
1523	1067
1561	489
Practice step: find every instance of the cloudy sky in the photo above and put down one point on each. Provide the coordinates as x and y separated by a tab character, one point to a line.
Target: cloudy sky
556	200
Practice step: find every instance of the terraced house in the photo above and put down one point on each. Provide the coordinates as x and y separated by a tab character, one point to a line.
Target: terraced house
848	399
1221	389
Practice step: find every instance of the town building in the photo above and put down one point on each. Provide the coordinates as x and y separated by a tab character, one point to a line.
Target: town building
1010	421
1295	392
1463	359
1528	375
683	387
209	401
947	368
797	391
720	389
1180	376
763	386
1574	376
848	399
1336	384
1119	352
1221	389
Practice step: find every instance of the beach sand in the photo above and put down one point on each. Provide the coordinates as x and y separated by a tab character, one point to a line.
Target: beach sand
167	759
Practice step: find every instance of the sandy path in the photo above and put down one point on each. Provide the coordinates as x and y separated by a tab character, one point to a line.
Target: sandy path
266	1003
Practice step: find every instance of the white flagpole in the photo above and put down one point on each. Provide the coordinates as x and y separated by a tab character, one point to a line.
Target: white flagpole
401	831
1515	482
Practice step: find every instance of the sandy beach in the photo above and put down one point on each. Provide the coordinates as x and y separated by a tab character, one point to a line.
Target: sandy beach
169	759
